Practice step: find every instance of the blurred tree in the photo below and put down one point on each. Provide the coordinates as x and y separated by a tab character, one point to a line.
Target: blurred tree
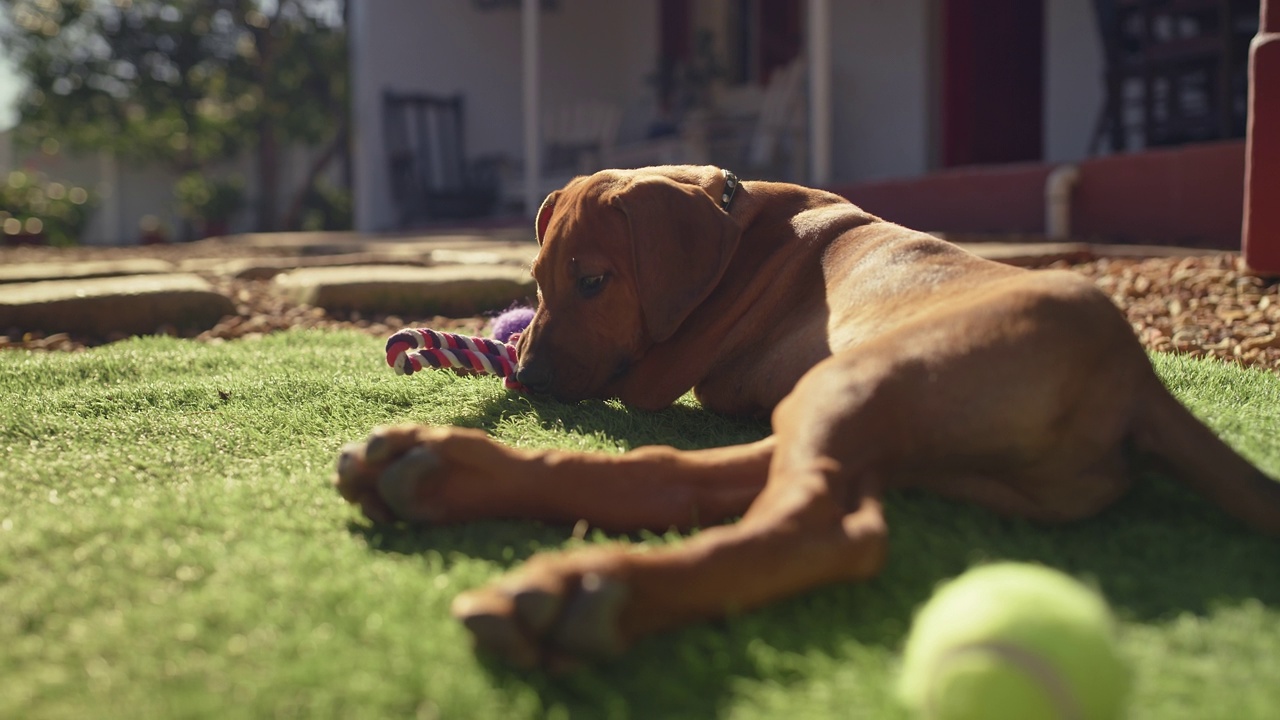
185	82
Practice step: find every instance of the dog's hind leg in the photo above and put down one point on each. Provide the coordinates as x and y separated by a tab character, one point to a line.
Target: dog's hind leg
818	521
450	475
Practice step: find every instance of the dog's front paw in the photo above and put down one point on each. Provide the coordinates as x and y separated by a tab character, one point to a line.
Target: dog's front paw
554	611
404	472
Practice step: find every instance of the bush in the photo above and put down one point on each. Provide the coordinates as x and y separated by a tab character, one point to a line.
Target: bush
34	208
327	207
206	200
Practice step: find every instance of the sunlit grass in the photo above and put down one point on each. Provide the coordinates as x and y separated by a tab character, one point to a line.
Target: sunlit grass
170	547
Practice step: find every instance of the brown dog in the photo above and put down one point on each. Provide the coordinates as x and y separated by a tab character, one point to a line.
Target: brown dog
889	358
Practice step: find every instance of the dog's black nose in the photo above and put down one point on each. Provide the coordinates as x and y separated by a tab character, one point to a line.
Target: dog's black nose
535	376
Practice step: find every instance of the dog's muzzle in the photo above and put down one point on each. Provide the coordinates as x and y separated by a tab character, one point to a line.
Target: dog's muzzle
535	376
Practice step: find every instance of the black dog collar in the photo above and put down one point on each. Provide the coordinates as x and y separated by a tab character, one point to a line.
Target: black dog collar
730	187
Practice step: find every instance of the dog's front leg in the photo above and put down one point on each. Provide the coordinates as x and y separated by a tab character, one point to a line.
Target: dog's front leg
594	603
449	475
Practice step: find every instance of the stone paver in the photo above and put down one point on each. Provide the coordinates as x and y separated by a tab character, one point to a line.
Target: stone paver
133	305
265	268
457	290
1146	251
330	242
1042	253
34	272
518	255
1023	254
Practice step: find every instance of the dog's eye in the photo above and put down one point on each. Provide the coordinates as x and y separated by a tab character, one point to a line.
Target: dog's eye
590	285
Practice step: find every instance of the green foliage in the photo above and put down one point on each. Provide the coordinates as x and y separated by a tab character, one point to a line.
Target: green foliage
327	207
207	199
170	547
33	205
184	83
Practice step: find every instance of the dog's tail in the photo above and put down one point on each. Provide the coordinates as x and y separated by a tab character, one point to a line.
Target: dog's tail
1191	452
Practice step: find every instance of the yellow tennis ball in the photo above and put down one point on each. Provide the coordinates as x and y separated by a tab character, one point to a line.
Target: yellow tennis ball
1012	641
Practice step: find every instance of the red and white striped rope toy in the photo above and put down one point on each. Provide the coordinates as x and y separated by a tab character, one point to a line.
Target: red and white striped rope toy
413	349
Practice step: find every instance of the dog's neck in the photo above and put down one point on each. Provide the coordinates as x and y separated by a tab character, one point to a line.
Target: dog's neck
771	254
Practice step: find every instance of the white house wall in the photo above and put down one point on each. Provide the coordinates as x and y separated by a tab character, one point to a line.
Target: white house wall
125	191
880	70
591	49
1073	79
122	195
884	103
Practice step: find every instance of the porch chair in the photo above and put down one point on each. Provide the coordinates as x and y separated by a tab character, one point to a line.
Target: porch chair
578	136
431	177
1176	70
760	130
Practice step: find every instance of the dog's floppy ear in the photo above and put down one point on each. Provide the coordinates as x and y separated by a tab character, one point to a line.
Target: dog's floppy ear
544	215
681	242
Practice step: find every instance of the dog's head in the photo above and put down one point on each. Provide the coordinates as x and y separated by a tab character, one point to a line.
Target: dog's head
625	257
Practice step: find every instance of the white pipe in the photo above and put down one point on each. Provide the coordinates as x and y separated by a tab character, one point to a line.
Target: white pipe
819	56
1057	201
370	191
110	232
532	134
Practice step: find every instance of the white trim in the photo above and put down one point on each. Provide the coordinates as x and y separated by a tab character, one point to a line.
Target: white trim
365	112
532	112
819	60
110	214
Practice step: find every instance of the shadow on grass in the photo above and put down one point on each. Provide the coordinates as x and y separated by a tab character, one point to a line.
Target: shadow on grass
682	426
505	543
1159	553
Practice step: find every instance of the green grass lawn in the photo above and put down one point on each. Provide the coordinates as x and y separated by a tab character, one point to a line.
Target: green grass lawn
170	547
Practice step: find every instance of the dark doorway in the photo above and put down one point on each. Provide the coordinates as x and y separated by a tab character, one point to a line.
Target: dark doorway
763	35
992	81
781	35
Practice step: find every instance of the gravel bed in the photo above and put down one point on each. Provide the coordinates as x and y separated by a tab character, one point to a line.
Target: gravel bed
1202	305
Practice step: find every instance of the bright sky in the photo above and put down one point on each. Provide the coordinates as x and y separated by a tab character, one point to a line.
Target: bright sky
8	91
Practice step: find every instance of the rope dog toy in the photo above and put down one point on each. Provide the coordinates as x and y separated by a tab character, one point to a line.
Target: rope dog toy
413	349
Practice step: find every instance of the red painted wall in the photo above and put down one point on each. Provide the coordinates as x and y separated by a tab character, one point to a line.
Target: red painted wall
1190	196
979	199
992	81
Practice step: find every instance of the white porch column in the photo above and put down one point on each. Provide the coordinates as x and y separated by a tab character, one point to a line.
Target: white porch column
818	43
109	212
532	111
366	133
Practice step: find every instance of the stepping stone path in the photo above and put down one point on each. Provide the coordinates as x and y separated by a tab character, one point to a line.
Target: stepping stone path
242	285
257	283
128	305
450	290
37	272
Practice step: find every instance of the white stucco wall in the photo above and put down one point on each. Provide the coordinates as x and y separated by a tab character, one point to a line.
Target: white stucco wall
1073	79
884	101
881	98
591	50
124	190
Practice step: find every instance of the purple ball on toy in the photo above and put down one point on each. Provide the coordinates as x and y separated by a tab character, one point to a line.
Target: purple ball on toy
511	322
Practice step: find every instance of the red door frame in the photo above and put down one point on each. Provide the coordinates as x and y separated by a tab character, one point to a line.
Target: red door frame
781	33
1261	236
992	81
